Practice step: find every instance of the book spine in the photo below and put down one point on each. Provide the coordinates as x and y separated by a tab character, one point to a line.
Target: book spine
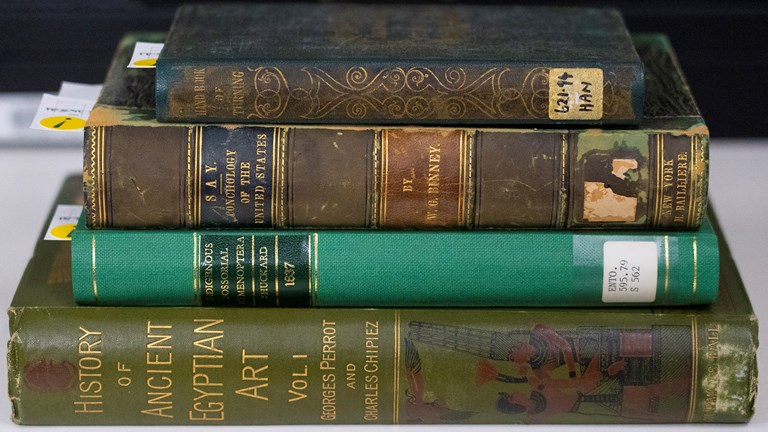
393	268
157	366
191	176
340	92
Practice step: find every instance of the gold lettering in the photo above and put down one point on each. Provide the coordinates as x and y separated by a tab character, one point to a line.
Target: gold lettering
407	185
371	369
89	364
251	374
238	93
204	367
159	368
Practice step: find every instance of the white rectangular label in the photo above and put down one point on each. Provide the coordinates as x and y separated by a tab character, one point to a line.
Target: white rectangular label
79	91
63	222
630	271
145	55
575	93
62	113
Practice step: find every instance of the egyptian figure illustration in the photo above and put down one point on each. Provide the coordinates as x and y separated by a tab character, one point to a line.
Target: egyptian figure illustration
540	373
611	182
417	408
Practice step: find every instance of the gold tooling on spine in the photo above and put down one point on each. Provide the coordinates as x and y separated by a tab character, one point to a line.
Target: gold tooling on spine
396	372
277	275
375	178
189	217
666	266
253	269
695	267
196	268
93	269
384	176
564	190
198	173
469	208
694	368
462	173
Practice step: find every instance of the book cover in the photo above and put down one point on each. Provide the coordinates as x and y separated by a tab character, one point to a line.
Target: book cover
409	64
342	268
140	173
70	364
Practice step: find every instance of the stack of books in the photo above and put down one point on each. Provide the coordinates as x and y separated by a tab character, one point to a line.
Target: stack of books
519	192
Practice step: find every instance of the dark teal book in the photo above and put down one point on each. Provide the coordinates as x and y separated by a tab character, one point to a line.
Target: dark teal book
409	64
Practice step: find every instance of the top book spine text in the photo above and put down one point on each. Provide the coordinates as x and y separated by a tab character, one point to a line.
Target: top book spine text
425	64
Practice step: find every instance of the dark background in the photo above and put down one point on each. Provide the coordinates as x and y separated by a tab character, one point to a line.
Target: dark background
722	45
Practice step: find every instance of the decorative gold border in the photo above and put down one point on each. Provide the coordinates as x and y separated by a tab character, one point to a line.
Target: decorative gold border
97	193
462	173
100	179
277	274
198	175
666	266
190	131
695	267
692	179
196	268
656	216
274	204
282	144
469	208
93	269
561	222
384	176
316	241
396	371
309	269
701	182
375	179
253	269
694	368
91	180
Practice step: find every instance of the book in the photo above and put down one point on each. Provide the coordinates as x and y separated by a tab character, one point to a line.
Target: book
382	268
71	364
409	64
140	173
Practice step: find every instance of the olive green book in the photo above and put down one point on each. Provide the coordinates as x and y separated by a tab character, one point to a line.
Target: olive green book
94	365
406	64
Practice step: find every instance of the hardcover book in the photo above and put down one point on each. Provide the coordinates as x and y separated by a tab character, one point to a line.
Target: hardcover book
140	173
248	268
70	364
377	64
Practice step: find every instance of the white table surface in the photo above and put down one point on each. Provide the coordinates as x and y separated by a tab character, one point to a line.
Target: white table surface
30	178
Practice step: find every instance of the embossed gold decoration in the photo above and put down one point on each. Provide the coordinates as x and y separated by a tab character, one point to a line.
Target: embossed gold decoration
271	91
402	93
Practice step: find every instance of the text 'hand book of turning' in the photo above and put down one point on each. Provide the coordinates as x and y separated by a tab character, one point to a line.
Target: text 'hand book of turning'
404	64
140	173
71	364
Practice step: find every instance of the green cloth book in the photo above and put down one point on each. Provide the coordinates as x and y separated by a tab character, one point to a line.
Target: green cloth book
404	64
140	173
366	268
95	365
